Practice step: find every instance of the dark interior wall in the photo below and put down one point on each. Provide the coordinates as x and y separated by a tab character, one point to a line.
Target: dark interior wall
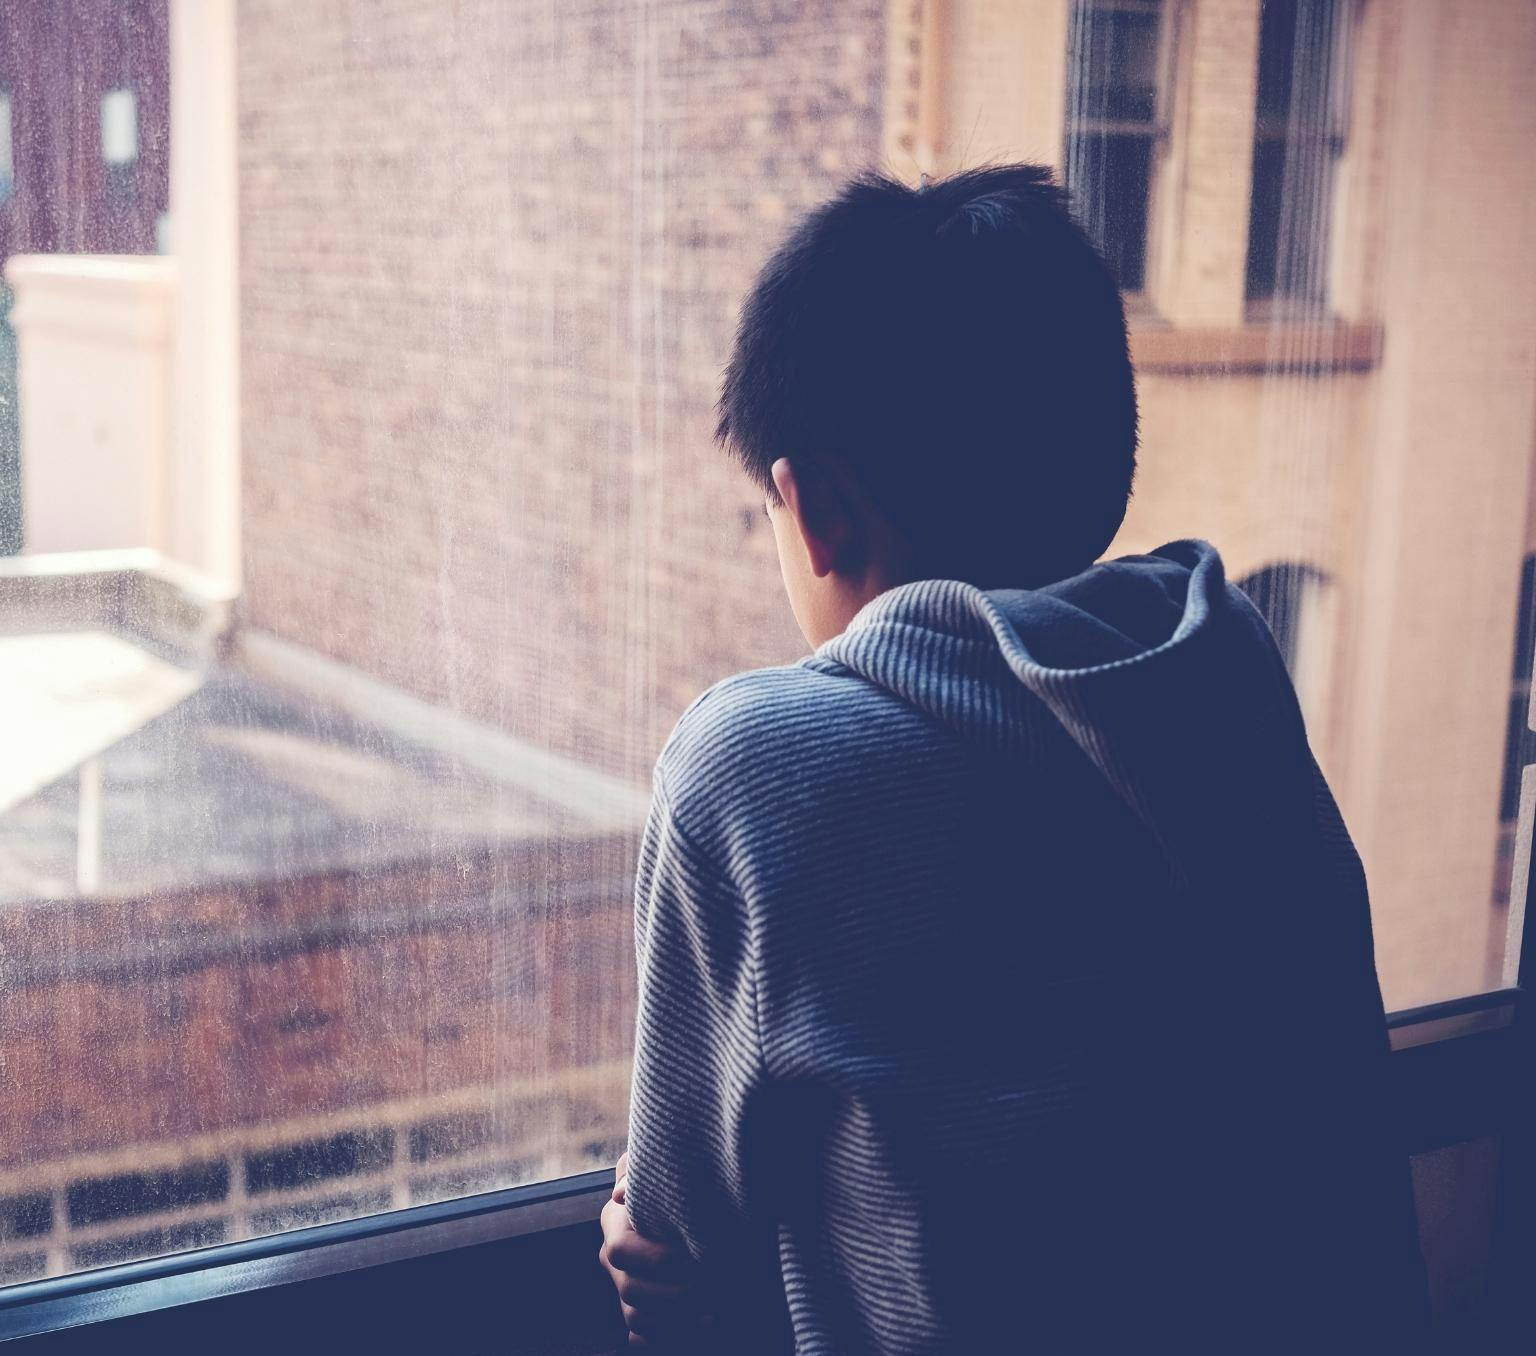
1456	1190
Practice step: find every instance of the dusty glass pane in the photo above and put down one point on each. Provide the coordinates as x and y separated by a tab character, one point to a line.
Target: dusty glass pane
364	546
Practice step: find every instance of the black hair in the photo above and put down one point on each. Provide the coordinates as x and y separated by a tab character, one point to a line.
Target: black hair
961	349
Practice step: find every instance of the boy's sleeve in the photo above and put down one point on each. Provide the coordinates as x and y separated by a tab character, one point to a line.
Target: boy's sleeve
699	1078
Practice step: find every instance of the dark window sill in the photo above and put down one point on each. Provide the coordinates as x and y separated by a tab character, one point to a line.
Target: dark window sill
1280	346
519	1264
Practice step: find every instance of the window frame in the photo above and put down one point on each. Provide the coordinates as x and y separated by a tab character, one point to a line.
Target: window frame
542	1217
1457	1066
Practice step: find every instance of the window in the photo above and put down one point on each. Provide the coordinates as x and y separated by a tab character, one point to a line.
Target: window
119	127
1298	135
7	163
1283	594
1519	738
1300	605
119	141
10	471
366	570
1116	55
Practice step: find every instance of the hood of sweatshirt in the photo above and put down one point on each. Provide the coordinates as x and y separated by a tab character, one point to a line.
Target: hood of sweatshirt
1237	1012
1163	674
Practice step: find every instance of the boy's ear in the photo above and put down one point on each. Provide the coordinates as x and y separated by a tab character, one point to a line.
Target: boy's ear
823	513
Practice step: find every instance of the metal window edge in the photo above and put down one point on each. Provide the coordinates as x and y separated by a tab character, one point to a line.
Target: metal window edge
1453	1017
36	1307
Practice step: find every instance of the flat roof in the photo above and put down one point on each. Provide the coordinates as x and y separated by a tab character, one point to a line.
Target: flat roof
124	774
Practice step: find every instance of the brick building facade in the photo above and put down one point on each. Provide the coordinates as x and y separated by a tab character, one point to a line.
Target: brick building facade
483	319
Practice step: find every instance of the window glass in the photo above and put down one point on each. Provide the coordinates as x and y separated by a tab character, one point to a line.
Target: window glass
7	164
1114	65
10	488
10	492
119	144
119	127
1519	738
366	552
1297	135
1285	593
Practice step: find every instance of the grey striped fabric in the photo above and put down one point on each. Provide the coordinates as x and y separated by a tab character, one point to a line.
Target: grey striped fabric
1006	984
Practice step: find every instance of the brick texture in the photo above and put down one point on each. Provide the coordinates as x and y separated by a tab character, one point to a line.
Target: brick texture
187	1013
490	258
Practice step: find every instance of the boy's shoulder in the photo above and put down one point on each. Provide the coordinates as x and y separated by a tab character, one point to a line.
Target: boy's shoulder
812	700
780	735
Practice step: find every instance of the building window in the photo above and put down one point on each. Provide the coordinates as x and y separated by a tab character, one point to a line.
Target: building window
119	127
1116	57
7	163
119	142
1299	130
1519	738
1520	742
1283	592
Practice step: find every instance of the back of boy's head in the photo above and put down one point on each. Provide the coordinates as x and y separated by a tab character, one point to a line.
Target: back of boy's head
960	349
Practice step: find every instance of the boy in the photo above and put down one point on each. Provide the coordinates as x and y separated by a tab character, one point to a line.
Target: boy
1006	974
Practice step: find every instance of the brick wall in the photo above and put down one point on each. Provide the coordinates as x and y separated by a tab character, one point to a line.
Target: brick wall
183	1013
490	258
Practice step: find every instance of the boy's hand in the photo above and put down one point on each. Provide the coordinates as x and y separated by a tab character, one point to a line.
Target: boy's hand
656	1289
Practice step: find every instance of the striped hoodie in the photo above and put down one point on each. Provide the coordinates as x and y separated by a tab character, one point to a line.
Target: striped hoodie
1007	985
